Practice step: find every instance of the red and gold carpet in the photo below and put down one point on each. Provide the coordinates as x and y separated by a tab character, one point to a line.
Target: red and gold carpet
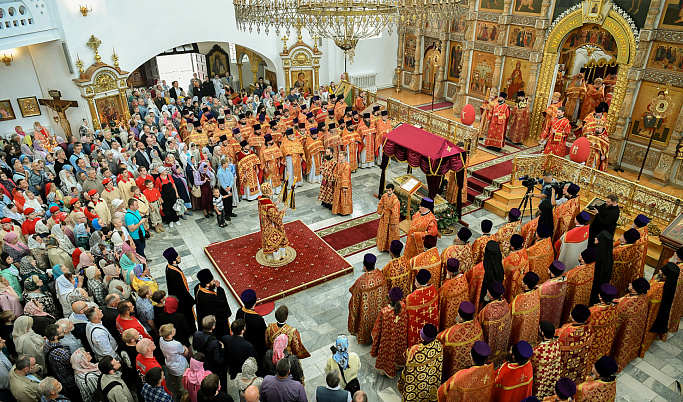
316	262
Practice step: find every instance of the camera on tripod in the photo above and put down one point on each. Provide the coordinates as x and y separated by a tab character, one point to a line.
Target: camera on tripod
528	182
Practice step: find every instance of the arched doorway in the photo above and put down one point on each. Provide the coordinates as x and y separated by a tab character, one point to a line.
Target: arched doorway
571	46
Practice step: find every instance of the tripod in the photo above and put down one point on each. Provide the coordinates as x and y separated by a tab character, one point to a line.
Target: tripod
526	202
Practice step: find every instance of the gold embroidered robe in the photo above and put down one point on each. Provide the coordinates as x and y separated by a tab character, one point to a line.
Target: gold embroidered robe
369	294
389	209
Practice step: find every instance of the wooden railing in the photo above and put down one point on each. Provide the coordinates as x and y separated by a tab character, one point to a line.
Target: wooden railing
634	198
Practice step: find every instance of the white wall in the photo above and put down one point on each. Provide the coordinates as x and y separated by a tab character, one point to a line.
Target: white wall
176	67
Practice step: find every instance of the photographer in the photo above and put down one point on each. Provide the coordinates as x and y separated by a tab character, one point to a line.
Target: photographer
546	182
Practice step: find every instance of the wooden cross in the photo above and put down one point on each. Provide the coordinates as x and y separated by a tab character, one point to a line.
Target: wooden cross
59	106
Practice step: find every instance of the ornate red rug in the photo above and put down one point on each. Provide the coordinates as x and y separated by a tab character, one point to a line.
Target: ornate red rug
316	262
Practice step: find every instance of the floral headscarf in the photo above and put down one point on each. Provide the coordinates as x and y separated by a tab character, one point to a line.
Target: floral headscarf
342	354
279	347
81	364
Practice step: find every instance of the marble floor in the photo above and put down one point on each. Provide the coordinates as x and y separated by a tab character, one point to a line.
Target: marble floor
320	313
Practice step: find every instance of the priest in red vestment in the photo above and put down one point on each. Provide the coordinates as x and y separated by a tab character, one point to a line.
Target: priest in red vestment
579	283
563	215
495	321
626	261
514	379
453	292
368	297
423	223
555	136
604	320
553	292
471	384
575	343
397	271
519	120
461	250
423	306
526	311
541	253
430	260
601	383
498	122
294	344
569	246
515	265
389	210
632	317
512	226
389	335
546	361
458	339
480	244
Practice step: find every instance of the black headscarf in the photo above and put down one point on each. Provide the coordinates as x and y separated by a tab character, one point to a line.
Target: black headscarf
603	264
671	271
493	266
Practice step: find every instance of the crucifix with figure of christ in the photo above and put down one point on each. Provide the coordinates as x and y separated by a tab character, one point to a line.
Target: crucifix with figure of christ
59	106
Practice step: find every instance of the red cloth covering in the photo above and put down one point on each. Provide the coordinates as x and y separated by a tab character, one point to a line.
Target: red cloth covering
423	149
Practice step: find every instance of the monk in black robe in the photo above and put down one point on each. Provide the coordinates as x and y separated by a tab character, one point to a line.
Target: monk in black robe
178	287
256	326
211	300
606	217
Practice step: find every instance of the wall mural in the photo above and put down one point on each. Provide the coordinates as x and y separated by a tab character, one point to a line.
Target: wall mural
521	36
666	56
515	77
481	76
487	31
455	61
590	35
672	18
648	92
636	9
459	25
530	7
491	5
409	53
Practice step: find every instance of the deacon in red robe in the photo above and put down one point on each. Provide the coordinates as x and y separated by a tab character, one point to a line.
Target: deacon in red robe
512	226
569	246
498	122
423	306
604	320
514	379
626	261
471	384
389	335
519	120
294	344
601	383
516	265
480	244
389	210
458	340
555	136
553	292
564	214
423	223
575	344
526	311
546	361
397	271
541	253
579	283
453	292
430	260
368	297
495	321
461	250
550	112
632	317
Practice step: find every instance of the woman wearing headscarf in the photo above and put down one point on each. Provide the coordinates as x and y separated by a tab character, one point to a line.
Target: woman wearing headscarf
41	319
9	299
12	211
170	315
114	283
68	181
64	241
11	272
95	286
202	179
16	249
86	373
29	267
169	194
604	246
54	195
28	342
180	181
279	351
34	291
38	251
193	376
141	277
248	377
7	183
39	152
57	255
347	362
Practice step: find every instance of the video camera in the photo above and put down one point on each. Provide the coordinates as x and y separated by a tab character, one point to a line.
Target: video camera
528	182
558	186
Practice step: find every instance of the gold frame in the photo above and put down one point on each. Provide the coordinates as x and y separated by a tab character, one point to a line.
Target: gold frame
626	50
29	106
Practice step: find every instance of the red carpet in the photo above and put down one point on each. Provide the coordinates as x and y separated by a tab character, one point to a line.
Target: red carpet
353	234
491	173
437	106
316	262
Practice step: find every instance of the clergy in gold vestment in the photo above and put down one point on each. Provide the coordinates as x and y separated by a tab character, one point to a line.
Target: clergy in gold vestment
574	94
293	155
273	236
389	335
526	311
601	383
429	260
595	93
389	210
458	340
453	292
575	343
423	223
397	271
382	128
485	111
551	111
579	283
294	344
565	213
541	253
503	234
546	361
272	163
553	292
599	148
528	232
660	301
342	202
632	316
480	244
350	140
515	265
496	322
626	261
519	120
471	384
369	294
327	185
461	250
366	131
248	167
314	153
421	378
604	320
423	306
495	136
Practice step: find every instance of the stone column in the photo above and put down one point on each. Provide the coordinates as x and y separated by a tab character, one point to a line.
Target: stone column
440	83
399	61
239	70
416	78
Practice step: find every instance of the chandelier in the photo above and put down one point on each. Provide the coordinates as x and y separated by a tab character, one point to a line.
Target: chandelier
343	21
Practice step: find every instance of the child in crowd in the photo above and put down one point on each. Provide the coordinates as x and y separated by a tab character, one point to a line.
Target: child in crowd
154	200
218	206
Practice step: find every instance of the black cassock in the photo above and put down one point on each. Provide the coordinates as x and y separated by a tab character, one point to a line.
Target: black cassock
214	302
177	287
605	219
255	332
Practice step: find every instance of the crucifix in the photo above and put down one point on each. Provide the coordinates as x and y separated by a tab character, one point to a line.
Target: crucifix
59	106
94	44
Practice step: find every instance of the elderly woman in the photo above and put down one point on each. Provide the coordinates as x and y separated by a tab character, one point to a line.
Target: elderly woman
41	319
28	268
9	299
28	342
86	373
10	272
112	277
38	251
68	181
248	377
34	291
343	360
180	180
57	255
278	352
14	248
142	277
59	230
203	179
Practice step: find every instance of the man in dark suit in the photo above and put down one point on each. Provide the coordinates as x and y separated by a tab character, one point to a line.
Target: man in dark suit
332	392
175	90
237	349
141	157
606	217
